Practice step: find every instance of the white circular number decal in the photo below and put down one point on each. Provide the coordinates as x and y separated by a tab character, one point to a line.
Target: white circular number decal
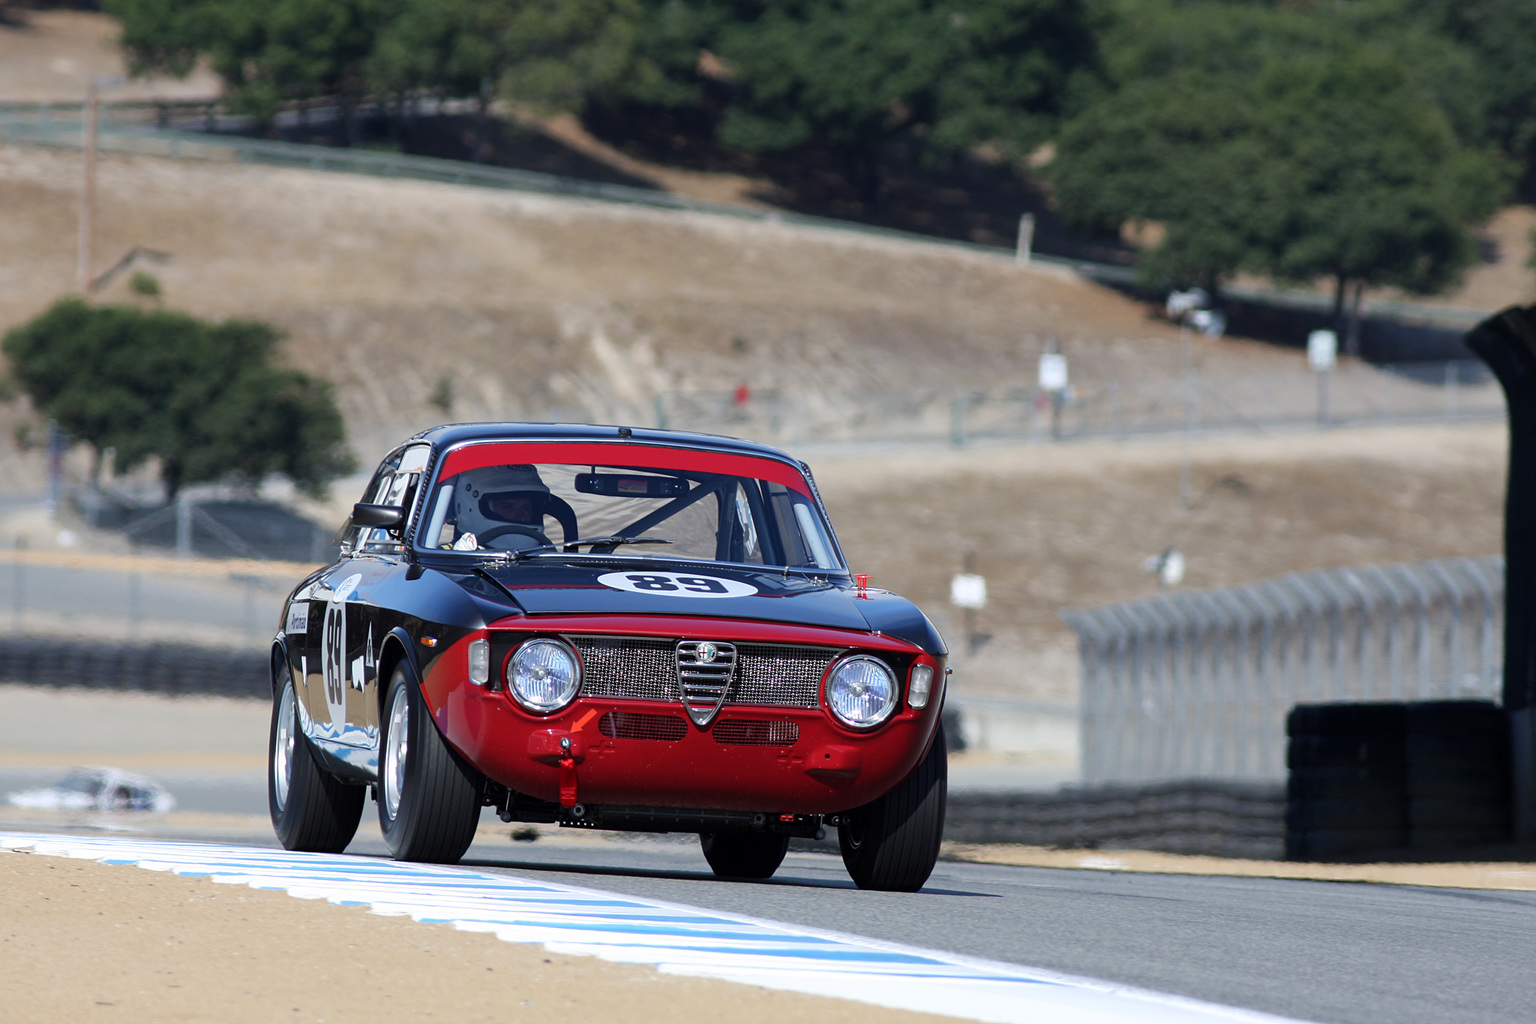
675	584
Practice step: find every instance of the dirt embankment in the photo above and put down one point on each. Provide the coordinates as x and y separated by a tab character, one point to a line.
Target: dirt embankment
1071	526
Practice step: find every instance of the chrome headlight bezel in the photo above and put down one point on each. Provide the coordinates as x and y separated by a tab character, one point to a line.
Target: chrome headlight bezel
525	660
843	678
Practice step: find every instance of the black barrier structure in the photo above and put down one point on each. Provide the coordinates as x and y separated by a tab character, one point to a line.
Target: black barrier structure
1507	343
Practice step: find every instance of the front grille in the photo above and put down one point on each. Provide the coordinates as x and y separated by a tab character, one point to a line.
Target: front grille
629	725
634	668
743	733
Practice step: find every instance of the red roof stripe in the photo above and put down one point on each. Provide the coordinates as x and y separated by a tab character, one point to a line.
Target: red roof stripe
619	455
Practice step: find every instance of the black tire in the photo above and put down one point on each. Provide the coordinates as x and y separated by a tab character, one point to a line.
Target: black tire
1457	718
429	798
1352	720
744	854
1351	783
892	843
1476	815
1353	815
1341	843
1319	751
312	810
1474	783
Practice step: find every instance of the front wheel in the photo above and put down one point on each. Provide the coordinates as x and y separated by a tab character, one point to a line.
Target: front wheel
892	843
311	809
744	854
429	798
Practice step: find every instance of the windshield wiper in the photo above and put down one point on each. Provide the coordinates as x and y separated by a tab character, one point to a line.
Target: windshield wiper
597	542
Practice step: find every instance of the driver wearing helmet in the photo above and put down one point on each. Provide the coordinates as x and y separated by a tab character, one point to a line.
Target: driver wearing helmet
505	502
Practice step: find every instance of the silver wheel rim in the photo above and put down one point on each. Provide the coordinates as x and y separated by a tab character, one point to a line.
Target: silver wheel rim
396	745
282	749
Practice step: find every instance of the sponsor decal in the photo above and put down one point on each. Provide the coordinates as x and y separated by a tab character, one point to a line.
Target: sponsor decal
298	618
675	584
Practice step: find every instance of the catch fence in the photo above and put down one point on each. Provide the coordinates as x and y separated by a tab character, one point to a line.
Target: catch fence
1198	685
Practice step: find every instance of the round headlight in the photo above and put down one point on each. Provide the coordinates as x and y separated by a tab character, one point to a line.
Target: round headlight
543	675
861	691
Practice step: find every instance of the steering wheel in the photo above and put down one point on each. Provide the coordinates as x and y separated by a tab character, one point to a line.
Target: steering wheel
501	531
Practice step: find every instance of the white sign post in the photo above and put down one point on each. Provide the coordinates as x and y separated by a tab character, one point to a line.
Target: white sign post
1322	355
1053	381
967	590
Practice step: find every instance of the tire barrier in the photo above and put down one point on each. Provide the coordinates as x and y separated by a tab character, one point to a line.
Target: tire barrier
1346	793
1371	780
156	667
1457	774
1218	819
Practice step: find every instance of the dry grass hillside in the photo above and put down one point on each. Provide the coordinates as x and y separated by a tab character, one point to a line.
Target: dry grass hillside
531	305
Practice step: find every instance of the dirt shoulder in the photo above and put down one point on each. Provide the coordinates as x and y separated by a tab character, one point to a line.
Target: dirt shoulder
85	941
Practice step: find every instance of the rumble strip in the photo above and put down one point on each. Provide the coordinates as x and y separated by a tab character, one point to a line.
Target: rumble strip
674	938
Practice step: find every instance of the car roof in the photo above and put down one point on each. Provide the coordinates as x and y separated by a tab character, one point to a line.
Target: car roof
457	433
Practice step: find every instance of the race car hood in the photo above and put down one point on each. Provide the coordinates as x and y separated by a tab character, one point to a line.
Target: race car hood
610	588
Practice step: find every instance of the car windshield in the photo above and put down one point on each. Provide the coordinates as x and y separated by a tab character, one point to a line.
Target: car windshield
536	501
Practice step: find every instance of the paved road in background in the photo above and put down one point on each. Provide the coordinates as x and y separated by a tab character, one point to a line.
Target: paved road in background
1342	953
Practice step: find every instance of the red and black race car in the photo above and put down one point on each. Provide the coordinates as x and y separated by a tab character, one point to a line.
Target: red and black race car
610	628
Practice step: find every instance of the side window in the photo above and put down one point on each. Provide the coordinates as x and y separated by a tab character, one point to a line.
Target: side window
394	484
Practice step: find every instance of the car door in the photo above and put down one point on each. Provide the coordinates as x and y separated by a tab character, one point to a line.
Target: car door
351	625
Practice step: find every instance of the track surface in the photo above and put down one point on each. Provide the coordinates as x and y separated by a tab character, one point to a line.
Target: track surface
1329	952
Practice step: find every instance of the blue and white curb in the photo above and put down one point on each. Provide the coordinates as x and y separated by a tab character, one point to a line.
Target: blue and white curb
673	938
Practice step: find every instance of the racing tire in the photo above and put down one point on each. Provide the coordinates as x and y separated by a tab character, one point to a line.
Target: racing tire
429	798
892	843
312	810
744	854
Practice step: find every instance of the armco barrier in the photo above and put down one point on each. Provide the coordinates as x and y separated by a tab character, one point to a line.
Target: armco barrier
169	668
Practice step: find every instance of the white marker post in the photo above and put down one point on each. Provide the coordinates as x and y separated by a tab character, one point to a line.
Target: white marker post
1053	381
1322	355
967	590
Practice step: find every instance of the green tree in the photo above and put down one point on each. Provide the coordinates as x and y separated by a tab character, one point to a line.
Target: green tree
1500	39
204	399
850	75
1271	141
550	54
267	51
1375	188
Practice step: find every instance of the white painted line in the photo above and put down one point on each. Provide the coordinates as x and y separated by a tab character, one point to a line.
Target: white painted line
673	938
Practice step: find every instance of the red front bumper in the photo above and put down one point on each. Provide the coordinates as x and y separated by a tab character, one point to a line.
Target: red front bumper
826	768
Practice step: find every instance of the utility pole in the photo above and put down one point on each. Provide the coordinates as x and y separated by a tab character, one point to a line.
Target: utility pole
88	195
88	189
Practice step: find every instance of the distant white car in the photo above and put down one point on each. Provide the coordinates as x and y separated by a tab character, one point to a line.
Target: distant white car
98	789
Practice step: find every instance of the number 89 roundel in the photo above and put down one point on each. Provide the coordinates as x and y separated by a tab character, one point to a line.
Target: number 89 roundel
676	584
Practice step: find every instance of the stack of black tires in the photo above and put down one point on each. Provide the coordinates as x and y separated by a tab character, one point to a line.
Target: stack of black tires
1369	779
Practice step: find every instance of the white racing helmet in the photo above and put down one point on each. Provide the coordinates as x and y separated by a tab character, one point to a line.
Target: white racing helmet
476	487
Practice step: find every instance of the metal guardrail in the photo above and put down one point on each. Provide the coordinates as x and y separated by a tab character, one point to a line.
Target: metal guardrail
1198	685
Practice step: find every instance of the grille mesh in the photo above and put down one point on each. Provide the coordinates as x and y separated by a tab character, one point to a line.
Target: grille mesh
635	669
628	725
743	733
643	669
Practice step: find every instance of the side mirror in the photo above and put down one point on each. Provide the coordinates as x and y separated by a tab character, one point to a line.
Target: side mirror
391	517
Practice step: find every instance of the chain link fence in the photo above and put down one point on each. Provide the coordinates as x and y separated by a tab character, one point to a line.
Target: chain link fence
1198	685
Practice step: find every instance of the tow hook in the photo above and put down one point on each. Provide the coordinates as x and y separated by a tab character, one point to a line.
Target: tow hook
567	774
